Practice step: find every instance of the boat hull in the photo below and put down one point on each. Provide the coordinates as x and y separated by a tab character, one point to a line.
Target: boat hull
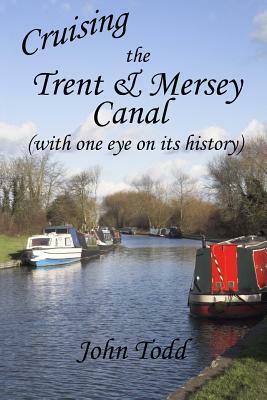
56	256
51	262
90	251
104	248
227	306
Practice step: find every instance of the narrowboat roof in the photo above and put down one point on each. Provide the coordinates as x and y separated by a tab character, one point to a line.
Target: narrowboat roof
251	241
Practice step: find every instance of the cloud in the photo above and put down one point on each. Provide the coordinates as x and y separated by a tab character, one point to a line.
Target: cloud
107	187
137	133
164	172
254	129
73	171
89	130
161	171
214	132
260	22
167	167
198	171
12	136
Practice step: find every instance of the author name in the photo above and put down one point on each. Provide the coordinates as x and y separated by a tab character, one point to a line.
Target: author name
145	349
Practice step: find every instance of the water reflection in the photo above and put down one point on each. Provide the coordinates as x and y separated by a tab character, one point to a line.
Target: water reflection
137	292
217	336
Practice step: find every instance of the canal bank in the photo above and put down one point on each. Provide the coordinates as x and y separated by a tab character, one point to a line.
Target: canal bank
10	264
238	373
10	249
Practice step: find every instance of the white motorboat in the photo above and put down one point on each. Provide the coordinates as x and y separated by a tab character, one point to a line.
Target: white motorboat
52	249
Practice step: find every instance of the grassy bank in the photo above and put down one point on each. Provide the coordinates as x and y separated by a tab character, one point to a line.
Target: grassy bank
11	244
245	379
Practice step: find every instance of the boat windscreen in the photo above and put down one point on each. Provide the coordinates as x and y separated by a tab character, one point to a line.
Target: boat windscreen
56	229
40	241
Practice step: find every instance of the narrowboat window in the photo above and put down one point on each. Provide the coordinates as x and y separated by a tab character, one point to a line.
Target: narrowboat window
231	284
218	285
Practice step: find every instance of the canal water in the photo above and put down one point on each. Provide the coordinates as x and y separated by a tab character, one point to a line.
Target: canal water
138	292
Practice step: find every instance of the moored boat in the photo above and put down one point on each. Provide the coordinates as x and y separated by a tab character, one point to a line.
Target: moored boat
86	241
51	249
162	232
116	235
174	233
230	279
128	231
90	248
59	245
104	239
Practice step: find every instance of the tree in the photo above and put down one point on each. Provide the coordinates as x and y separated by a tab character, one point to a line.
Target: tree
183	187
83	188
27	187
64	210
152	201
240	188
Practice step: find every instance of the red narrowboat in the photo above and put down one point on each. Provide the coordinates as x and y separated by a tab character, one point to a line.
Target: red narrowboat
230	279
